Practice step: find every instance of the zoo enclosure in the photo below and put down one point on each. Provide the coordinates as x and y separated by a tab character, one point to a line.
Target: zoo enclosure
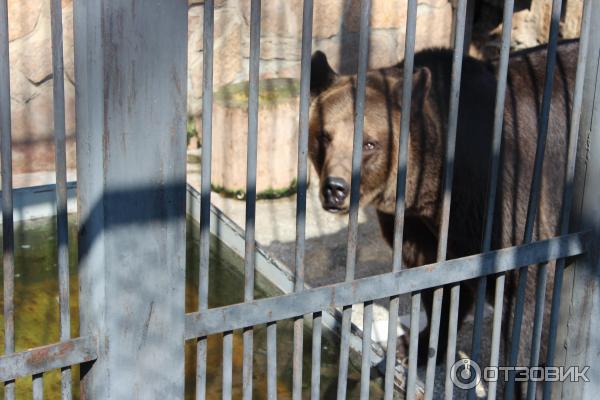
131	94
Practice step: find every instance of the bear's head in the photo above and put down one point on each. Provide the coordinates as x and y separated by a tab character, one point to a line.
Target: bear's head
331	132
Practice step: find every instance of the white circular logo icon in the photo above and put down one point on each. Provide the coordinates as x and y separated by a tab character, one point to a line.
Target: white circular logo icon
465	374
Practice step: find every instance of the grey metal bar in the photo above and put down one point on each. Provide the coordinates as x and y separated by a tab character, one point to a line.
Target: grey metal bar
131	121
459	36
409	55
205	189
534	196
342	294
540	292
496	327
307	20
7	206
413	349
227	365
37	386
569	183
62	223
272	360
315	376
449	171
434	328
363	60
297	358
250	250
492	189
365	368
46	358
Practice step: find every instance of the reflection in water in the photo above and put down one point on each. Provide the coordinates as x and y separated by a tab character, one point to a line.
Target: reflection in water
37	318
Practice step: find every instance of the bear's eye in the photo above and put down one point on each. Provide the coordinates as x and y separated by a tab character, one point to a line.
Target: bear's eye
324	138
369	146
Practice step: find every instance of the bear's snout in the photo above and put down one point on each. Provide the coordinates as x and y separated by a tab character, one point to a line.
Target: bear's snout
334	191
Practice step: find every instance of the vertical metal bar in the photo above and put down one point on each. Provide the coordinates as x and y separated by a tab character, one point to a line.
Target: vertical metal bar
205	188
37	386
413	348
363	59
250	250
227	365
445	218
297	358
131	121
532	207
365	368
569	183
7	203
307	20
491	199
496	327
452	127
272	361
62	223
315	377
409	56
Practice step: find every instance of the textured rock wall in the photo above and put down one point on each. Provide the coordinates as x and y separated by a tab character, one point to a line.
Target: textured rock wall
335	32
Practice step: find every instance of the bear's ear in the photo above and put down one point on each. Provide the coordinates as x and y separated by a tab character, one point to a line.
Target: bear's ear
421	85
321	74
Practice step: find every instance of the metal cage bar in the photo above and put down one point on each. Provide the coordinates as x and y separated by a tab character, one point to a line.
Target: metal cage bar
534	197
491	201
236	316
409	55
205	189
363	59
250	253
8	264
459	35
62	222
37	385
305	64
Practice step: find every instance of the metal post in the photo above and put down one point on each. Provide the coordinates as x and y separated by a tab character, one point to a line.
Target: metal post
578	343
130	63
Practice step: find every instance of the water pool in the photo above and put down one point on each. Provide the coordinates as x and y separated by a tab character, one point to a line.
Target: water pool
36	316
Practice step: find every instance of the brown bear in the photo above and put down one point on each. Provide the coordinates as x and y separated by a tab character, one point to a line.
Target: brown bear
331	128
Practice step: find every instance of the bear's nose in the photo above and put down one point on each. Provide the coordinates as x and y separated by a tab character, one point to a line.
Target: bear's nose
335	190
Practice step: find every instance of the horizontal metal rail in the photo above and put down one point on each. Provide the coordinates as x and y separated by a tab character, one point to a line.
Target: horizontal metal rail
46	358
216	320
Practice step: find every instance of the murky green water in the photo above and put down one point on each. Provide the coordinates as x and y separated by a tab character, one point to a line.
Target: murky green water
37	318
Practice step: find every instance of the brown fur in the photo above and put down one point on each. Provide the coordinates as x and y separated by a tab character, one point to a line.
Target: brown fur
330	148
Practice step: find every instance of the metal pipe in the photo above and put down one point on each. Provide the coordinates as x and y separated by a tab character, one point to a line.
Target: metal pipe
62	223
491	200
307	20
205	188
534	197
363	59
272	361
315	376
409	55
7	206
250	250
